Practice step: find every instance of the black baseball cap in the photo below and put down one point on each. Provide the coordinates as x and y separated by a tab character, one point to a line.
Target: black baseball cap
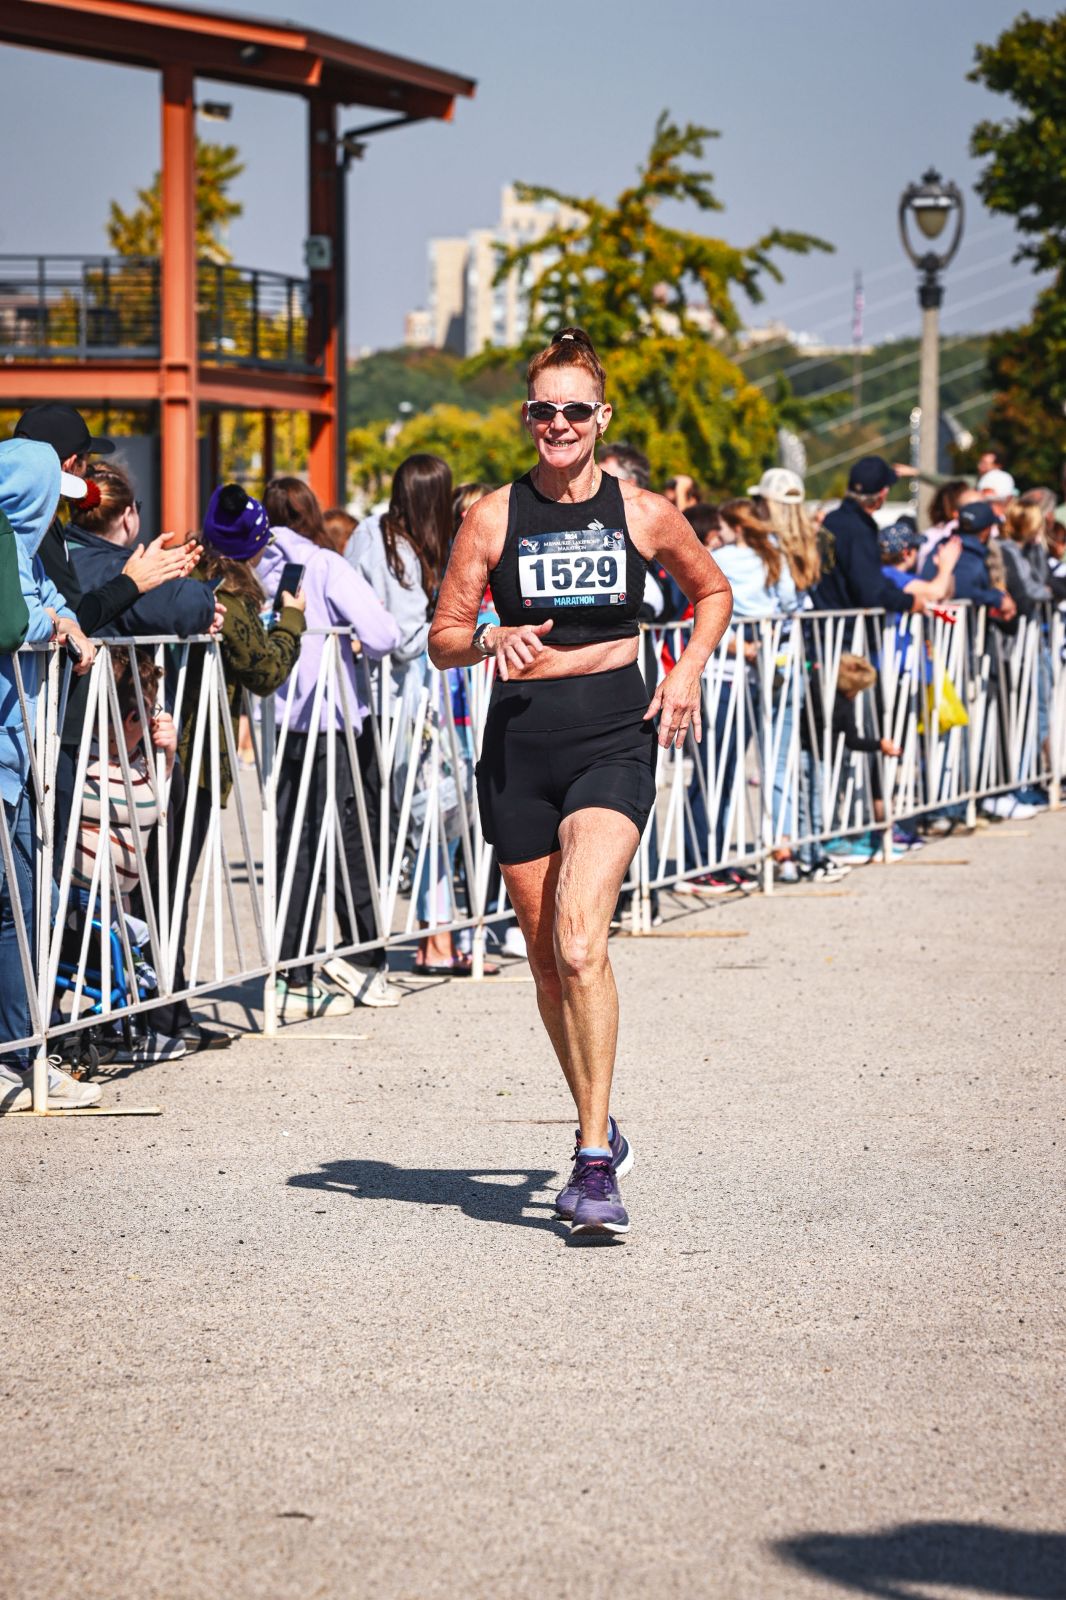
976	516
870	475
63	428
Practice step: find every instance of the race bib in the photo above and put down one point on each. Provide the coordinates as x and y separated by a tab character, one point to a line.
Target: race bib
583	568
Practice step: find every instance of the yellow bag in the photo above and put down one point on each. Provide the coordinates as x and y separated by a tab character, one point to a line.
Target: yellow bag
953	714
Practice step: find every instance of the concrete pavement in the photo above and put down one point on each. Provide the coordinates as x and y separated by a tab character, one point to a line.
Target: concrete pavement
313	1332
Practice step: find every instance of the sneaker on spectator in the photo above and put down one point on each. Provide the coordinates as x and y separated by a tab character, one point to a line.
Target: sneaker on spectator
149	1047
903	839
304	1002
787	871
1033	795
1009	807
707	883
14	1089
858	850
64	1092
366	988
829	871
514	941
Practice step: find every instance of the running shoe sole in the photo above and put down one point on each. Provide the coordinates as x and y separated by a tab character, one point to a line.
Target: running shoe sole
609	1230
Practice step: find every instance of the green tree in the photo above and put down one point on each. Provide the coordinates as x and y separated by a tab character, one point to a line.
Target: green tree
635	285
1025	178
480	447
137	232
620	273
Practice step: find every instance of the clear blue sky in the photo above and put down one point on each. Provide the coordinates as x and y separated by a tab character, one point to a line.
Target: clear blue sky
826	111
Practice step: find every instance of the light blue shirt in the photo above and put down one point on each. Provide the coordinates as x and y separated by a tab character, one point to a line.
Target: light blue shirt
29	496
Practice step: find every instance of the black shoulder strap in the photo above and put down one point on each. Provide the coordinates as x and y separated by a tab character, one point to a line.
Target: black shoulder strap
615	506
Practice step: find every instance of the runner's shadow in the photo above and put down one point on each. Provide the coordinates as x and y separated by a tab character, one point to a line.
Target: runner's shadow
470	1190
969	1556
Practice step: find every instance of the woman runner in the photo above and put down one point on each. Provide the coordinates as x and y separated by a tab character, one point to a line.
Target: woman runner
566	779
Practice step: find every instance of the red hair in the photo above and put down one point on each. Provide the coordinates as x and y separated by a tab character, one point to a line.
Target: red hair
571	347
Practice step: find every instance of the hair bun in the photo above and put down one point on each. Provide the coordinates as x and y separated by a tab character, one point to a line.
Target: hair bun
575	336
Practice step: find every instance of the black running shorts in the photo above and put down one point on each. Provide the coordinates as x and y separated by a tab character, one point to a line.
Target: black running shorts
553	746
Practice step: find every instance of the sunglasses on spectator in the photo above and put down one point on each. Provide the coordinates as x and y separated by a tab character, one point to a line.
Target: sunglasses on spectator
573	410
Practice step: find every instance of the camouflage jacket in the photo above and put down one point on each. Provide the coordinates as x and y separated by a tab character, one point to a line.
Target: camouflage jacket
252	659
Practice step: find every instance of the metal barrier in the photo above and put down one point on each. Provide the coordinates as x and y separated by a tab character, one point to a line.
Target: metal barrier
108	307
161	895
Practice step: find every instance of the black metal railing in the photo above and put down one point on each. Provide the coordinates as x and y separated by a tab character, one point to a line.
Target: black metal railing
98	308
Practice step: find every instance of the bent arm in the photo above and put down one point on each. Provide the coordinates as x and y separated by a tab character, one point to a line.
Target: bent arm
475	552
696	573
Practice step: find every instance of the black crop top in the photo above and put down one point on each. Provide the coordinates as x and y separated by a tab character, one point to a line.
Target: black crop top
572	561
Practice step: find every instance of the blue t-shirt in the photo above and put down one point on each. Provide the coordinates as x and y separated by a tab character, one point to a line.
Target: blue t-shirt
901	579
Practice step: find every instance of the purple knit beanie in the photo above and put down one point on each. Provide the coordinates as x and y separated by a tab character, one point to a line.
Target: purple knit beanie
235	525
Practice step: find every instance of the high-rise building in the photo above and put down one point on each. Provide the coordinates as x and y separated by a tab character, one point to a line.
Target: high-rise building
467	309
417	330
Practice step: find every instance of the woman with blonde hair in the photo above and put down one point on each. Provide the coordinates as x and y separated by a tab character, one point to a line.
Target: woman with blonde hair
1022	541
778	499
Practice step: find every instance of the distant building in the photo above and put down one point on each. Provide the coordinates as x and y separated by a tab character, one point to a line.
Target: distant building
418	330
779	333
467	310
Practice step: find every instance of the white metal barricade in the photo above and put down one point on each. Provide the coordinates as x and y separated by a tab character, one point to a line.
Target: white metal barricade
374	816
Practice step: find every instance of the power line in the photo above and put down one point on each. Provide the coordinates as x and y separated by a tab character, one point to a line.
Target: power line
870	445
842	288
896	299
824	360
889	400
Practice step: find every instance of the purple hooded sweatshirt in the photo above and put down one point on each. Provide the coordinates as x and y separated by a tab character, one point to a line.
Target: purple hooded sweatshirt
337	597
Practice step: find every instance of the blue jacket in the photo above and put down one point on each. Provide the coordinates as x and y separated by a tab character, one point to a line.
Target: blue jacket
181	605
29	496
851	574
971	575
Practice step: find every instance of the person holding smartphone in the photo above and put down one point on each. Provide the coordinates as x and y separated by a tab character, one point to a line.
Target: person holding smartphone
336	597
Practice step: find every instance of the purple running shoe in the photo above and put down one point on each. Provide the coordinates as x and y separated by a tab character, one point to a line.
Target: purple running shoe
599	1208
621	1160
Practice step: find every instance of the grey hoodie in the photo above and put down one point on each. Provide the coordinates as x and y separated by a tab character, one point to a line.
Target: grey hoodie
407	603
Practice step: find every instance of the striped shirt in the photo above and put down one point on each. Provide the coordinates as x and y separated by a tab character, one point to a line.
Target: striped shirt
120	829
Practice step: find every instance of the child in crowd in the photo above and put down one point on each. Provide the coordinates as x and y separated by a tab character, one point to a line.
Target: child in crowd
105	785
854	677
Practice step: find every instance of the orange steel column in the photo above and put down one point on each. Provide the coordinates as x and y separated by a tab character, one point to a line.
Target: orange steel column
178	408
323	338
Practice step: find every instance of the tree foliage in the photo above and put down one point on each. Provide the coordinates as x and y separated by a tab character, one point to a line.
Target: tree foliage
622	274
138	231
1025	177
643	292
480	447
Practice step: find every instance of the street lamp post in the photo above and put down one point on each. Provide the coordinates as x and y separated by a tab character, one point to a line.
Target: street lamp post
929	206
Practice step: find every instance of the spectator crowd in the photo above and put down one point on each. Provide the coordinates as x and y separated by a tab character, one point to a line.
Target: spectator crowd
272	579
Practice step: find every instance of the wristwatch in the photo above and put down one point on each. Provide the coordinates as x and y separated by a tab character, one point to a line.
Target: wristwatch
481	633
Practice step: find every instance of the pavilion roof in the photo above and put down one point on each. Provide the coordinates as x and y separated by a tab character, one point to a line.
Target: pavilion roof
256	52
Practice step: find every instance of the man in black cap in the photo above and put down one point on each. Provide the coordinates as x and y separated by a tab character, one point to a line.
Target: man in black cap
851	568
148	565
66	431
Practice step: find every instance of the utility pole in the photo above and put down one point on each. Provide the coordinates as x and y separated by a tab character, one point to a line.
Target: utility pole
857	308
930	204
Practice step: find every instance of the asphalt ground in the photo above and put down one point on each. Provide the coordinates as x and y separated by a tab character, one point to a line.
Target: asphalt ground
312	1332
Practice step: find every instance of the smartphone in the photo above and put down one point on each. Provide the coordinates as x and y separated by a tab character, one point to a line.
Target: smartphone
73	650
292	576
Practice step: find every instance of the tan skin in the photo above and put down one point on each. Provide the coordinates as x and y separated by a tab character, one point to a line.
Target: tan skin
564	901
